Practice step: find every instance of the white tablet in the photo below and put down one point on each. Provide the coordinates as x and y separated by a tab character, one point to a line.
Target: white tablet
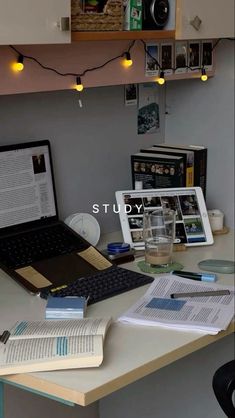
192	221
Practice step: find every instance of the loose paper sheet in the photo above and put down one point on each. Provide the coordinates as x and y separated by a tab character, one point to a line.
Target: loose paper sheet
208	314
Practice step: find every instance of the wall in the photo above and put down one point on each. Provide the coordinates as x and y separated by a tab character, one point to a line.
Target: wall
203	113
91	145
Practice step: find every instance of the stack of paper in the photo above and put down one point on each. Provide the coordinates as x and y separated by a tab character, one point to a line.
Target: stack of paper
209	314
66	307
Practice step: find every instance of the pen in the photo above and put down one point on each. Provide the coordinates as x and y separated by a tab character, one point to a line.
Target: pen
199	294
203	277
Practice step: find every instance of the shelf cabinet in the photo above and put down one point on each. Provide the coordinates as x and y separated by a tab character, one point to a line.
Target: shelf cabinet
34	22
204	19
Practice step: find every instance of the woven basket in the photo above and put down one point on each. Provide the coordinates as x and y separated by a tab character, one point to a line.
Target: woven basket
110	19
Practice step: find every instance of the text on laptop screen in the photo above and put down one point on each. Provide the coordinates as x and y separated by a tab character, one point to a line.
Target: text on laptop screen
26	186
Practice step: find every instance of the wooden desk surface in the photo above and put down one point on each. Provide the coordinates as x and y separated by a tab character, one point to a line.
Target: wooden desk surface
130	352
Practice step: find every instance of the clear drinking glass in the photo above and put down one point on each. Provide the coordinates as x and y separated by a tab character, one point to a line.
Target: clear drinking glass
159	235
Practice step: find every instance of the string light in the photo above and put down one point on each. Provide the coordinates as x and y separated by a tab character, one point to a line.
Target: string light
79	86
19	64
127	62
204	76
161	80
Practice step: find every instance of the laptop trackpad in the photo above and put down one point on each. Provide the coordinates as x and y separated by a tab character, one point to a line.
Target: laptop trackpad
63	269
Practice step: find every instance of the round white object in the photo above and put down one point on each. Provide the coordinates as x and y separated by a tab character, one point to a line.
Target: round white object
85	225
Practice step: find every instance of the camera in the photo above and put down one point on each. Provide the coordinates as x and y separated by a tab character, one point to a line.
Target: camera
155	14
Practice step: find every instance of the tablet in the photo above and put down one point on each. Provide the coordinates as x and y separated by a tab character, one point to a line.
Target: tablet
192	221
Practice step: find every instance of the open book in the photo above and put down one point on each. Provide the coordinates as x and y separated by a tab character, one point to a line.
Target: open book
208	314
53	345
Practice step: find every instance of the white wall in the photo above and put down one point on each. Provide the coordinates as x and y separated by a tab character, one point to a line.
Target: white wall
203	113
91	146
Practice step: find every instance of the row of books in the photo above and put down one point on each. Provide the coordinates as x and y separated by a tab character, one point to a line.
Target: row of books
165	165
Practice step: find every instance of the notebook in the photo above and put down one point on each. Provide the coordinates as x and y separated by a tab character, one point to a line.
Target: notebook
36	248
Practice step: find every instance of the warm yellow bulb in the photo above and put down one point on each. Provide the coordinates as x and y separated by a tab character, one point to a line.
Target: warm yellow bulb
79	87
204	77
161	81
127	63
18	66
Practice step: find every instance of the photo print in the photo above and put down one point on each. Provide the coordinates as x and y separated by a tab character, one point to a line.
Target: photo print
180	57
207	55
151	60
39	164
167	58
133	205
194	55
152	201
148	109
172	202
189	205
137	236
135	222
130	91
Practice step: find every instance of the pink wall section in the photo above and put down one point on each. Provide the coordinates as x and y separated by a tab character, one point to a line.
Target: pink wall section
75	58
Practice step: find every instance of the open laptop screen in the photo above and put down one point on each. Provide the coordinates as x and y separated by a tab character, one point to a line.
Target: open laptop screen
26	184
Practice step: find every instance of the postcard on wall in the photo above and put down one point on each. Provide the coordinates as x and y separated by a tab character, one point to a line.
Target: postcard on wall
207	55
130	91
148	109
151	59
194	55
166	61
180	57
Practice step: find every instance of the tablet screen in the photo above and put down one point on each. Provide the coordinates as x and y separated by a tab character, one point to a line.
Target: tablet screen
192	223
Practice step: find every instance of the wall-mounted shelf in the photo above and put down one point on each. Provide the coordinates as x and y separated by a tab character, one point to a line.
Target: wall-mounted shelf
122	35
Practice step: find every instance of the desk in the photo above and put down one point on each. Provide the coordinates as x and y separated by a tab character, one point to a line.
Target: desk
130	352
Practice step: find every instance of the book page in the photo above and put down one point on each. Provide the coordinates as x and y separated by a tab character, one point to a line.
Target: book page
50	328
50	353
206	313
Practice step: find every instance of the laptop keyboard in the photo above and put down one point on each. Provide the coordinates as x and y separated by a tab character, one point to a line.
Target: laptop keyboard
102	285
28	247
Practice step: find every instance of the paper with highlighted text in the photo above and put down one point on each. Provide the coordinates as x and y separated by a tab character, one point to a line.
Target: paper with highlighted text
209	314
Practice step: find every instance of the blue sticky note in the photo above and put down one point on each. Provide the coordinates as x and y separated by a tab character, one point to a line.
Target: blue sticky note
167	304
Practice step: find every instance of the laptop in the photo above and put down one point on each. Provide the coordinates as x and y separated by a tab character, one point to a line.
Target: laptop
36	248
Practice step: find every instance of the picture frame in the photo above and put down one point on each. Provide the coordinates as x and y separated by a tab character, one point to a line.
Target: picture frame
181	57
167	57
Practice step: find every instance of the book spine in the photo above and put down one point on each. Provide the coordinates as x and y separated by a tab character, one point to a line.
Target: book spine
200	173
157	172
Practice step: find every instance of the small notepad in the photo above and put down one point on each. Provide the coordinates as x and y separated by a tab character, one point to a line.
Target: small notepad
68	307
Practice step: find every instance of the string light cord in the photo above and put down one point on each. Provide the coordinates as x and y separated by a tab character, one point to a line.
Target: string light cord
122	55
68	74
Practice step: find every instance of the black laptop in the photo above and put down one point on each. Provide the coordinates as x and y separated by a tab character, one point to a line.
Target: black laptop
36	248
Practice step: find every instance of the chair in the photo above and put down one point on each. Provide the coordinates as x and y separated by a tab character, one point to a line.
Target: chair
224	385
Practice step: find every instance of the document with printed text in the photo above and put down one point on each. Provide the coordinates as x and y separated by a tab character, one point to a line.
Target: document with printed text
208	314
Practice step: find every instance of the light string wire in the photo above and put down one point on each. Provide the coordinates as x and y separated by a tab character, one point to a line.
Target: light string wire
122	55
68	74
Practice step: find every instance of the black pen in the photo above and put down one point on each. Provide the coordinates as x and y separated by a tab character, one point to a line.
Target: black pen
220	292
202	277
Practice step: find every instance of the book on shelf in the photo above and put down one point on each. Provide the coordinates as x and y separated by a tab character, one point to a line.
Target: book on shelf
156	171
200	161
188	158
207	314
69	307
32	346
